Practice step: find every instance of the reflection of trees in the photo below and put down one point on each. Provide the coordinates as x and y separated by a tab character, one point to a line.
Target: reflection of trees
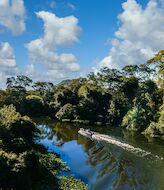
112	165
45	132
116	165
110	160
65	132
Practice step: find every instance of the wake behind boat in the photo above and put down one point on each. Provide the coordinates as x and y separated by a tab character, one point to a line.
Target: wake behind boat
109	139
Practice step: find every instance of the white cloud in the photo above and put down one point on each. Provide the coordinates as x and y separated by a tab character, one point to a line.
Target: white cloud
139	37
8	65
7	57
12	15
57	32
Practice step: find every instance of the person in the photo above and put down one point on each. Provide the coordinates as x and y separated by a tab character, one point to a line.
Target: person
91	133
88	131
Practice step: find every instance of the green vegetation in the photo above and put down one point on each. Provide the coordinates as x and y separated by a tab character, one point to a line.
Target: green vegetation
71	184
132	98
23	163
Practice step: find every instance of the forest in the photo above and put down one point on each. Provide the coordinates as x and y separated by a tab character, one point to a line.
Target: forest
131	98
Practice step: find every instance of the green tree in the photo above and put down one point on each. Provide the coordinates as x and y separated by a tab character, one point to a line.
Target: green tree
43	87
19	82
144	109
158	62
156	129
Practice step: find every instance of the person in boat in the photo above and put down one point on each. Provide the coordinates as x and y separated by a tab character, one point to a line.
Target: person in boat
91	133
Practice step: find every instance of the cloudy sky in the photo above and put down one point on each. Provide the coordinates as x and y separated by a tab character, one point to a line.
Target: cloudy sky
52	40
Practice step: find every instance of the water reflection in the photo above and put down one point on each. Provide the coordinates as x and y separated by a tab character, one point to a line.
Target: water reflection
102	165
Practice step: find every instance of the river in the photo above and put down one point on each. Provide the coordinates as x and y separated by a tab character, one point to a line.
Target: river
105	166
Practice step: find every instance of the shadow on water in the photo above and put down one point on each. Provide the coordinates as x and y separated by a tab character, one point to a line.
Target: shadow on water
102	165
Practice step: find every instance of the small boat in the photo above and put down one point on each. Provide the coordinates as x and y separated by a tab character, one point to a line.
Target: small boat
86	132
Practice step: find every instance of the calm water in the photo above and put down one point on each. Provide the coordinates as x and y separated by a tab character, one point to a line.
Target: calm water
104	166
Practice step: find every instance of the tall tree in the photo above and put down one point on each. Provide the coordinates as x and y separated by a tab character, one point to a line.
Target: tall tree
158	61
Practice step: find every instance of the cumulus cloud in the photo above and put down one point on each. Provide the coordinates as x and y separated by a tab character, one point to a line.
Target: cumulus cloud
139	37
58	32
8	65
12	15
7	58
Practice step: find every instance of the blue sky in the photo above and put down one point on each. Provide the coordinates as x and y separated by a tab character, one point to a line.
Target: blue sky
103	36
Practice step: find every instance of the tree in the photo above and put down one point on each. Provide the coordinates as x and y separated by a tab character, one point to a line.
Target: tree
68	111
158	61
156	129
145	72
19	82
109	78
145	106
130	70
142	71
43	87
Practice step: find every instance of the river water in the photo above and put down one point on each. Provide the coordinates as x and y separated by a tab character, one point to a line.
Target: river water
105	166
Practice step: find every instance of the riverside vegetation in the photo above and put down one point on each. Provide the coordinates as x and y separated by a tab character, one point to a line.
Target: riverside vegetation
132	98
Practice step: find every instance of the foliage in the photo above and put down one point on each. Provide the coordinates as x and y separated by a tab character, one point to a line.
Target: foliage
157	129
130	97
24	164
8	116
144	107
71	184
158	61
18	83
134	119
34	105
68	111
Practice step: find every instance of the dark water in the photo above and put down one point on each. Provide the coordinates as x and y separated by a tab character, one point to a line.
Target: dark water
104	166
